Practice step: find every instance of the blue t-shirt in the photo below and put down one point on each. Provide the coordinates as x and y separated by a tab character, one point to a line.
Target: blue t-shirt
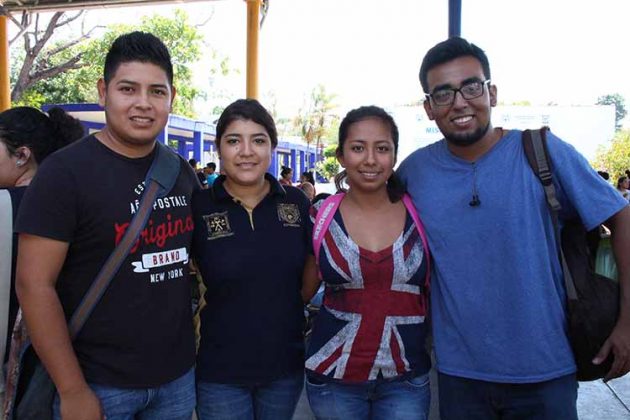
210	178
497	297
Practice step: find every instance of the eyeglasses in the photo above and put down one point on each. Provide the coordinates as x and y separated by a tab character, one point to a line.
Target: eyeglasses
469	90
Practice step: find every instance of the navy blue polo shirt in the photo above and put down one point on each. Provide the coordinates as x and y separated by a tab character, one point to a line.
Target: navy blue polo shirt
251	325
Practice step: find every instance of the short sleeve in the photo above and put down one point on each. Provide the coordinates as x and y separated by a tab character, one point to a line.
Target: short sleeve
49	207
581	188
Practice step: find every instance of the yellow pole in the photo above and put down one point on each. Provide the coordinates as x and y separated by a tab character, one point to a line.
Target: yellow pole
5	91
253	25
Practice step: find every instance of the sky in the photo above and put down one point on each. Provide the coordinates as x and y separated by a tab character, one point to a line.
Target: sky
369	52
562	51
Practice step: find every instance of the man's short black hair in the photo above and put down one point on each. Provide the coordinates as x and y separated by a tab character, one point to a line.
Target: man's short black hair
447	51
137	46
211	165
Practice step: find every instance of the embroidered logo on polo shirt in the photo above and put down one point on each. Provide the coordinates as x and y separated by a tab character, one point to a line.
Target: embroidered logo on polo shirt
218	225
289	214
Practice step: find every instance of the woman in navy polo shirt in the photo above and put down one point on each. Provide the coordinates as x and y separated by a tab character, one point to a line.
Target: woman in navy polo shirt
367	357
251	244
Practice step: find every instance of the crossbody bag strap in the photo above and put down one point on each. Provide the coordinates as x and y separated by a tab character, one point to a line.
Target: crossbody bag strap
535	147
6	251
408	202
322	221
160	179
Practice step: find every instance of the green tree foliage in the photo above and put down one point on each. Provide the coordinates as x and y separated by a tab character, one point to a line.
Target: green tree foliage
614	158
329	166
620	106
184	41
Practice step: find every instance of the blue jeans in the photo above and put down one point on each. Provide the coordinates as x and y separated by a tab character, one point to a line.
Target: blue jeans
172	401
462	398
274	400
396	400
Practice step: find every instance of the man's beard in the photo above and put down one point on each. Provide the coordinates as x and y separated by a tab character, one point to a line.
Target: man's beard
469	139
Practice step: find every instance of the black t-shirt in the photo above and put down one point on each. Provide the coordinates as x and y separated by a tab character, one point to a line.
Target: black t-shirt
140	333
251	326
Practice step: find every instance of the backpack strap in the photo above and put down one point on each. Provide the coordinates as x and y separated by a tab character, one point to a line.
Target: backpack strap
159	181
423	237
535	147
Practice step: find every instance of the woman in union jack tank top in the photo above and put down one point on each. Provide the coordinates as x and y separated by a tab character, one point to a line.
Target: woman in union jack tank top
367	347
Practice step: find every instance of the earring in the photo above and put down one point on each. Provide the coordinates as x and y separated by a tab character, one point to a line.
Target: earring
19	163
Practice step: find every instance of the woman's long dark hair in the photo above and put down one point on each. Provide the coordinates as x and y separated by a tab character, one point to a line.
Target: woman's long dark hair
395	187
41	133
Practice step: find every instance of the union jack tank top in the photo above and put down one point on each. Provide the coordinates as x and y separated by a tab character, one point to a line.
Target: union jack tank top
371	325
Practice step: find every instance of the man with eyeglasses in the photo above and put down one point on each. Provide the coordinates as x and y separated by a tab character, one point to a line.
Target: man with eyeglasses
497	295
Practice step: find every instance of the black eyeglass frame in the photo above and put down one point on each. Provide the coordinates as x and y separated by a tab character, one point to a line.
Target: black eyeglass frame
429	96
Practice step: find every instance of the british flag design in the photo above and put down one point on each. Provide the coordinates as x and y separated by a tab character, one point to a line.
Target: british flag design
370	298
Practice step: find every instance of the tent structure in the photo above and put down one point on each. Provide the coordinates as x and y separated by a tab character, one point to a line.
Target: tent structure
58	5
254	7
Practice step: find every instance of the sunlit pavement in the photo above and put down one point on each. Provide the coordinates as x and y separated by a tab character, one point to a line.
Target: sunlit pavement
598	401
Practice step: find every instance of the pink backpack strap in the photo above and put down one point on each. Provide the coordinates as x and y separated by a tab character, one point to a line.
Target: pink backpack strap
423	237
324	216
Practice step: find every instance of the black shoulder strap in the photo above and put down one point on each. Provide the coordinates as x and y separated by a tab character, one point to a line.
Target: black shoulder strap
535	147
164	170
160	179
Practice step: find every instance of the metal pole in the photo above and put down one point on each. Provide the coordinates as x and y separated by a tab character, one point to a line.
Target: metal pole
253	27
454	18
5	89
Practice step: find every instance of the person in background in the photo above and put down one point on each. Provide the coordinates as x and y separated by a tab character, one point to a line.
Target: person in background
27	137
286	176
252	245
367	356
623	183
198	172
308	189
210	172
135	355
307	177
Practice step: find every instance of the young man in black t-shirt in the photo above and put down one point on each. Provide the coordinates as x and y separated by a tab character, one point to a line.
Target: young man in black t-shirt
134	356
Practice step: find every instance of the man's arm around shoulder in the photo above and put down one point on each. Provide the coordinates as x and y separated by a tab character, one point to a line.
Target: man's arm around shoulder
619	340
38	264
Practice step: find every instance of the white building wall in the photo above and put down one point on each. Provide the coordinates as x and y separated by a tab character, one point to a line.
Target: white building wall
585	127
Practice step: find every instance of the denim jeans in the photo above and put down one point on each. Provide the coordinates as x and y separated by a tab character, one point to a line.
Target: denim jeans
462	398
395	400
274	400
172	401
